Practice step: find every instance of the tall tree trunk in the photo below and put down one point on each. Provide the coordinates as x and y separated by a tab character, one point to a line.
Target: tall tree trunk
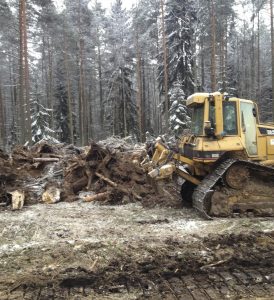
2	118
222	49
213	48
15	111
165	66
272	54
50	83
82	98
24	76
145	106
69	98
27	82
225	55
202	64
21	111
259	62
246	87
124	98
222	54
252	60
100	81
139	91
82	95
44	69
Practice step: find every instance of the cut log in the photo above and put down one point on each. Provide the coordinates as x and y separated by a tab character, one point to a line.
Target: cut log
17	199
110	182
46	159
90	177
97	197
118	187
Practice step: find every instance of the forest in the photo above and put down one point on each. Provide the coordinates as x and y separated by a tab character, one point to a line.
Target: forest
78	72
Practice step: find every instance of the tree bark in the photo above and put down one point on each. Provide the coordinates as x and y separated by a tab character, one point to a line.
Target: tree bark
139	90
259	63
252	61
124	105
21	111
82	99
2	118
272	54
100	81
69	98
213	48
25	121
165	66
50	83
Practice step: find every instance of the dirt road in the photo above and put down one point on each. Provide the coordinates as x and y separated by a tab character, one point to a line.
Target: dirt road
86	251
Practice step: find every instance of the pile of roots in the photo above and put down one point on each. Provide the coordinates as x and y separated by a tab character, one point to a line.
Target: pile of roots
108	172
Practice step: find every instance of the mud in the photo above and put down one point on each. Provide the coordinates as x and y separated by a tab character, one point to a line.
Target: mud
88	251
136	243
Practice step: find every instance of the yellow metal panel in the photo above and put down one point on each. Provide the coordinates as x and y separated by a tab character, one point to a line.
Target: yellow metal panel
211	145
198	98
219	114
261	145
230	143
183	159
270	145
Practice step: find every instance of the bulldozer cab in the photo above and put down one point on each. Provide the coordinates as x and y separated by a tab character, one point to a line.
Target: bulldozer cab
217	116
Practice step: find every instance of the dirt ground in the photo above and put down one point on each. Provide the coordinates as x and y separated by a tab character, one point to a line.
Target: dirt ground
117	235
85	250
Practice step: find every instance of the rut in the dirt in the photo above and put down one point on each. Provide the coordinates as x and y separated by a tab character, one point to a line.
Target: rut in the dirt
232	266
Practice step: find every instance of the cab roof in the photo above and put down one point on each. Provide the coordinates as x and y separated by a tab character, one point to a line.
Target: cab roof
199	98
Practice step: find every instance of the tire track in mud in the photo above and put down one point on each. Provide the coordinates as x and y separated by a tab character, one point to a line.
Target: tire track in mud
240	283
247	273
143	254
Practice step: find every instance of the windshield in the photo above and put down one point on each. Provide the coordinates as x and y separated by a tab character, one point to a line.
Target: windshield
197	120
230	118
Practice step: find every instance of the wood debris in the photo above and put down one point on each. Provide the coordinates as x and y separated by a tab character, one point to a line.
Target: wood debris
17	199
50	173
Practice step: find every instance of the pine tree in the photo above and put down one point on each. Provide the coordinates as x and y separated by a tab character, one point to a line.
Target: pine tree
179	116
120	110
40	118
62	112
180	21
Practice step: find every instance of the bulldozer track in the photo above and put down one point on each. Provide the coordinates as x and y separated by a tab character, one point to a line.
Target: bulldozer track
202	194
239	283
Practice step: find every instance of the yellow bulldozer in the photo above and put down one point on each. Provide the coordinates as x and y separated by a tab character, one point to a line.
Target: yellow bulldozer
225	160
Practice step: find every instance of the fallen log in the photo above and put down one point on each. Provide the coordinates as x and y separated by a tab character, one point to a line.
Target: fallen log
118	187
97	197
110	182
45	159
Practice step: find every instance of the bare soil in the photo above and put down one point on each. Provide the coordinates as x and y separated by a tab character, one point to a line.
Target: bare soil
89	251
137	242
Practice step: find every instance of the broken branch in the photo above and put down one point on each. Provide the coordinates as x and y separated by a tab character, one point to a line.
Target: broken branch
97	197
46	159
110	182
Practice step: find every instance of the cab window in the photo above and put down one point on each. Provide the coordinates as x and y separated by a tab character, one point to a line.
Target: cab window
197	120
230	118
